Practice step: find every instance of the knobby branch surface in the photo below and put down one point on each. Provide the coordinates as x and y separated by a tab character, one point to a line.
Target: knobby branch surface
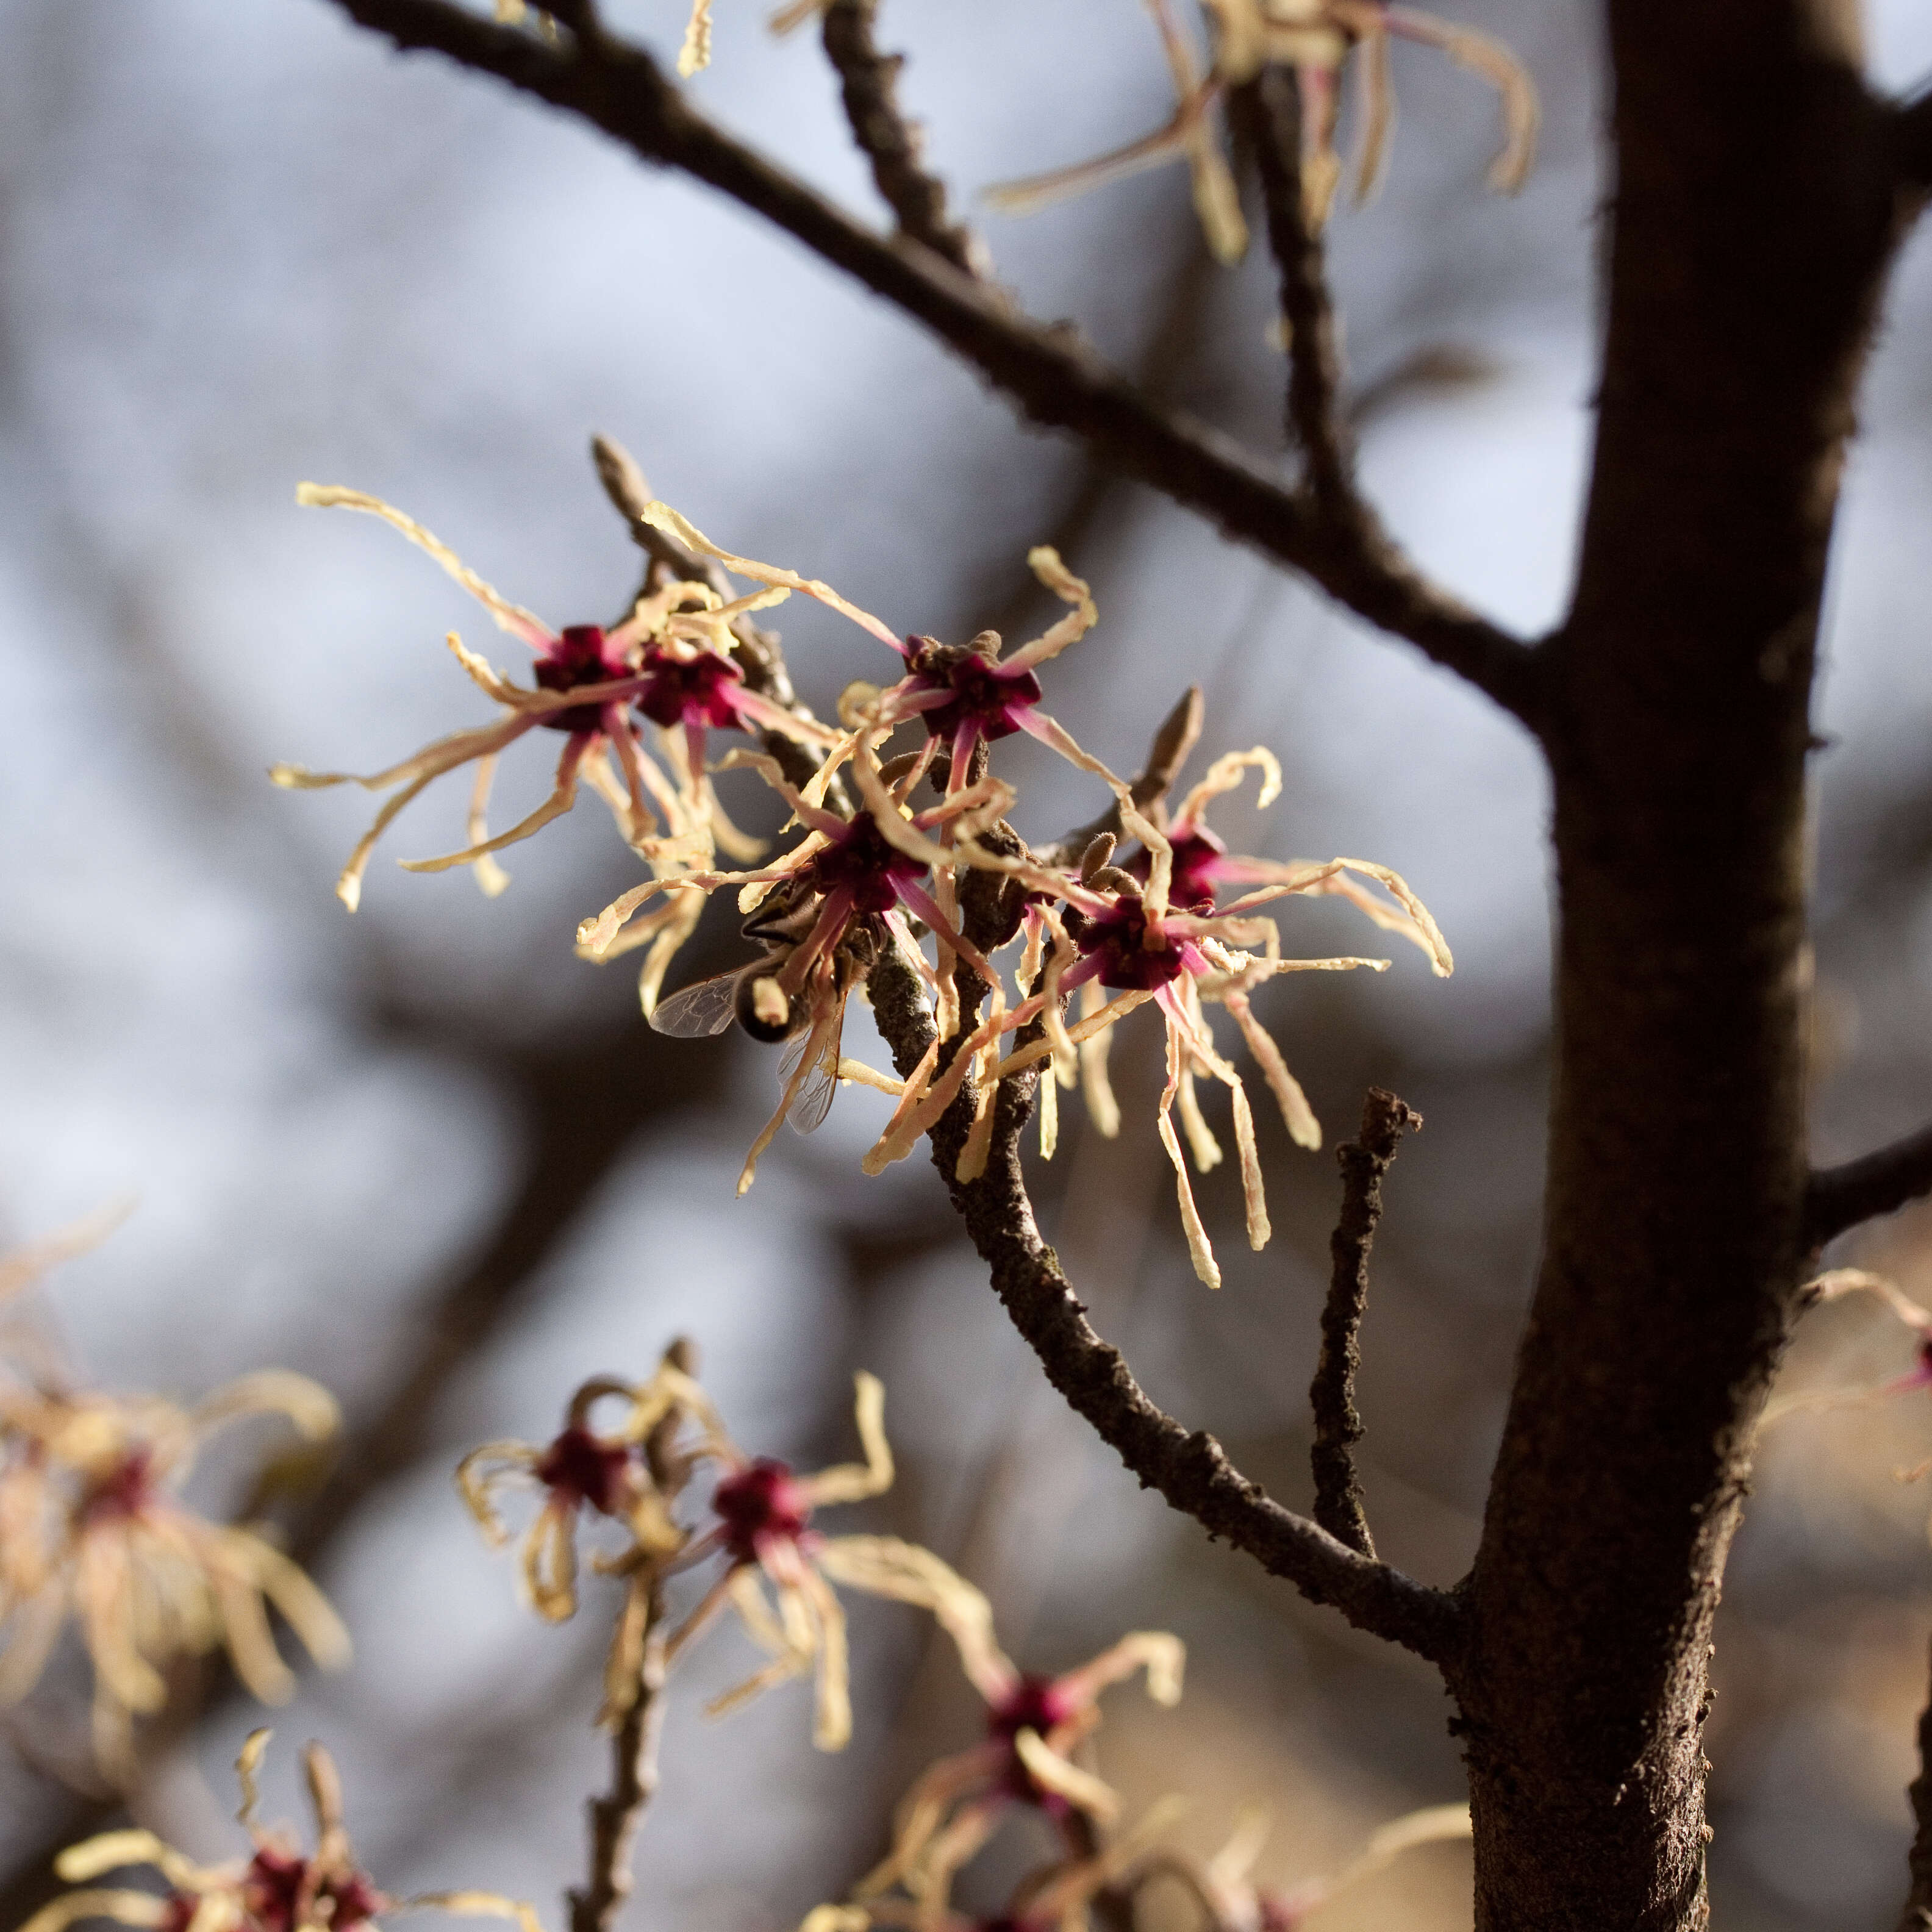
615	1815
1338	1427
1840	1198
1917	1916
1266	115
1054	378
868	81
1189	1468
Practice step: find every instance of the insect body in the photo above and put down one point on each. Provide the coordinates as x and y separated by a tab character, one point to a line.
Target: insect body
791	993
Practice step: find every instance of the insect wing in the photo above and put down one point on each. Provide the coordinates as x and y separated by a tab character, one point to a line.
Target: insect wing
696	1013
807	1113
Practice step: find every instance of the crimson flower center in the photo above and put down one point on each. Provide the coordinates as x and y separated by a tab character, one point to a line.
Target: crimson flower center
762	1503
860	862
124	1491
581	655
1118	937
273	1885
983	694
689	690
579	1468
1196	854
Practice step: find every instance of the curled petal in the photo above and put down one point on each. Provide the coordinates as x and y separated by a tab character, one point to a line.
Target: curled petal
1162	1655
316	1413
127	1908
662	517
24	1266
1081	1788
480	1471
512	617
853	1482
695	55
885	1567
115	1851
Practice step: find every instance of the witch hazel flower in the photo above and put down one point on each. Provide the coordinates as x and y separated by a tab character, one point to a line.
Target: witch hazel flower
1234	1903
279	1888
1055	1899
587	681
1316	38
763	1528
580	1469
966	694
1125	937
1034	1725
823	910
1833	1285
145	1579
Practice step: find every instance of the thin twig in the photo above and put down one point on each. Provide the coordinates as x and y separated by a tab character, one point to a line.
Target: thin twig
756	651
1338	1427
1188	1468
616	1815
1173	739
1056	379
1917	1916
1911	129
868	81
1875	1183
1266	114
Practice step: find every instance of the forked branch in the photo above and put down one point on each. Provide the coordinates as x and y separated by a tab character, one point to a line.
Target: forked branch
1056	380
1189	1468
1266	116
1338	1427
1875	1183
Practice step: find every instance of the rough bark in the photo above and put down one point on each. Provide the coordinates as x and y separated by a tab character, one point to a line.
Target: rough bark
1755	211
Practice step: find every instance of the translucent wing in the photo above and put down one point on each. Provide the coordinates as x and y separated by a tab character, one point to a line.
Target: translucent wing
695	1012
808	1112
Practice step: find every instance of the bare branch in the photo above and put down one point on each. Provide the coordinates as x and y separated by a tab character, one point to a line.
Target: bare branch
756	651
1338	1428
1055	379
1912	130
1188	1468
1917	1916
869	81
1173	739
1266	114
1875	1183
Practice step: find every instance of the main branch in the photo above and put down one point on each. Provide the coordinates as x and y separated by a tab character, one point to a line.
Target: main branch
1056	380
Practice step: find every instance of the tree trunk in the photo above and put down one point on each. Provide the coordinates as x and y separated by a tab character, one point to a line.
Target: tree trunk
1755	211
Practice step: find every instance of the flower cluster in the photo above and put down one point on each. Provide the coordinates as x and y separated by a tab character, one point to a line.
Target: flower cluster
875	874
93	1531
1317	39
279	1888
758	1535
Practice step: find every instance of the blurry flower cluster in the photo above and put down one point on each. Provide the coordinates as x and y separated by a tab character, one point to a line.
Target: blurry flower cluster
1317	40
1132	916
94	1531
636	1457
279	1888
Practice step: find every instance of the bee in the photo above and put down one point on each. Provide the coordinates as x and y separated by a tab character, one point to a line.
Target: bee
772	1000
